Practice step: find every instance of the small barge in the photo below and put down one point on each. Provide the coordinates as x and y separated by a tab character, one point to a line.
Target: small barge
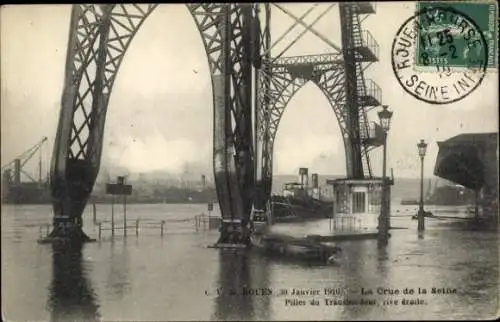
283	245
298	248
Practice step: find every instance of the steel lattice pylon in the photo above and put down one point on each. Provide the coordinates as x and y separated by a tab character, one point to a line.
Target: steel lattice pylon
235	43
340	77
98	40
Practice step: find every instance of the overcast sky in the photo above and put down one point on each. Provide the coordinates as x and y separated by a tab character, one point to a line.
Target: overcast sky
160	113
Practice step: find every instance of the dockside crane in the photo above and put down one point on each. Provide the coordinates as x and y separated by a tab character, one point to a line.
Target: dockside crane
16	166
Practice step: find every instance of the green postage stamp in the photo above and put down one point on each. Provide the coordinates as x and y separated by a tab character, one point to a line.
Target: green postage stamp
457	34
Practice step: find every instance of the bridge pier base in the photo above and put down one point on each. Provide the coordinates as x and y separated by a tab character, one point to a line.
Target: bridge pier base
234	234
67	231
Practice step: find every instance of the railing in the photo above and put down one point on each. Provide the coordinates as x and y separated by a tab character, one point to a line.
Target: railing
373	134
307	59
373	90
345	223
368	41
137	224
364	132
365	7
206	222
108	225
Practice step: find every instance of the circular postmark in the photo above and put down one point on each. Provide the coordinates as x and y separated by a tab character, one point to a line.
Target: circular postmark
439	55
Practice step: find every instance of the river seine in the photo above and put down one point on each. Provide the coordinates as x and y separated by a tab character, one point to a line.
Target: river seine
150	277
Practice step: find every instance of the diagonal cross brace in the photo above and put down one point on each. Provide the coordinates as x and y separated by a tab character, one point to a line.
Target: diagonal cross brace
309	28
268	51
303	32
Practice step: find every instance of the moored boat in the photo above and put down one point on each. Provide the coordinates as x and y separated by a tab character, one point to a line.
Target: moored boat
282	245
298	202
305	249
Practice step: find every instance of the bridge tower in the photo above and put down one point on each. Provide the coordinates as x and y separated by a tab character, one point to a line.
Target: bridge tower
99	36
339	75
358	48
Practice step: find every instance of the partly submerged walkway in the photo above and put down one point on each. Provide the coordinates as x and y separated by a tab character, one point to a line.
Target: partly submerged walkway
320	229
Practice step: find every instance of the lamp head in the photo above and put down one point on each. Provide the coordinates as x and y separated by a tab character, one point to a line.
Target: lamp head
385	118
422	148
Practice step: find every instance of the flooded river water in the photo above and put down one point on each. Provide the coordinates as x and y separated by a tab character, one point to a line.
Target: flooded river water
176	277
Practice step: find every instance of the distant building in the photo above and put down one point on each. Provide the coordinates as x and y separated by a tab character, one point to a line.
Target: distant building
471	160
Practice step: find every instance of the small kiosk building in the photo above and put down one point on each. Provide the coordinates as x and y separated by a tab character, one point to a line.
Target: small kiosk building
357	204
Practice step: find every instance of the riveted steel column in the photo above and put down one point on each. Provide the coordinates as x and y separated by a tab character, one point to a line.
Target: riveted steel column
346	21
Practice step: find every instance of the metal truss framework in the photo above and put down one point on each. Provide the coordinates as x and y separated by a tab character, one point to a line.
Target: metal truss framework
339	76
234	42
285	78
99	38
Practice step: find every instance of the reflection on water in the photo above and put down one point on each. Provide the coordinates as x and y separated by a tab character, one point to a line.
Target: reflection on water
382	260
261	278
147	278
71	296
118	282
243	287
479	262
361	271
234	275
383	269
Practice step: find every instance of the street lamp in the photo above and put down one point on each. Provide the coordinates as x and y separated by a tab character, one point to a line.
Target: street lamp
422	148
383	220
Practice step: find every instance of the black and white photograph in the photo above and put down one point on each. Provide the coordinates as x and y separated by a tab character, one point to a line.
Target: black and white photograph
286	161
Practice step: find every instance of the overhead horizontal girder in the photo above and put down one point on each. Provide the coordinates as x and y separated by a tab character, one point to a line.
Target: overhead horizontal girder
313	60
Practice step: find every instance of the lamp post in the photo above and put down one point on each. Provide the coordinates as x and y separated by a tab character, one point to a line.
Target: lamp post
385	122
422	148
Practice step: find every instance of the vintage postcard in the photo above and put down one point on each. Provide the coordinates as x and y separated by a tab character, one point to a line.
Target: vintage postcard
250	161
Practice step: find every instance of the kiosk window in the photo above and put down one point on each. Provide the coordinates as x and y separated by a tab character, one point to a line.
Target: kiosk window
358	202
